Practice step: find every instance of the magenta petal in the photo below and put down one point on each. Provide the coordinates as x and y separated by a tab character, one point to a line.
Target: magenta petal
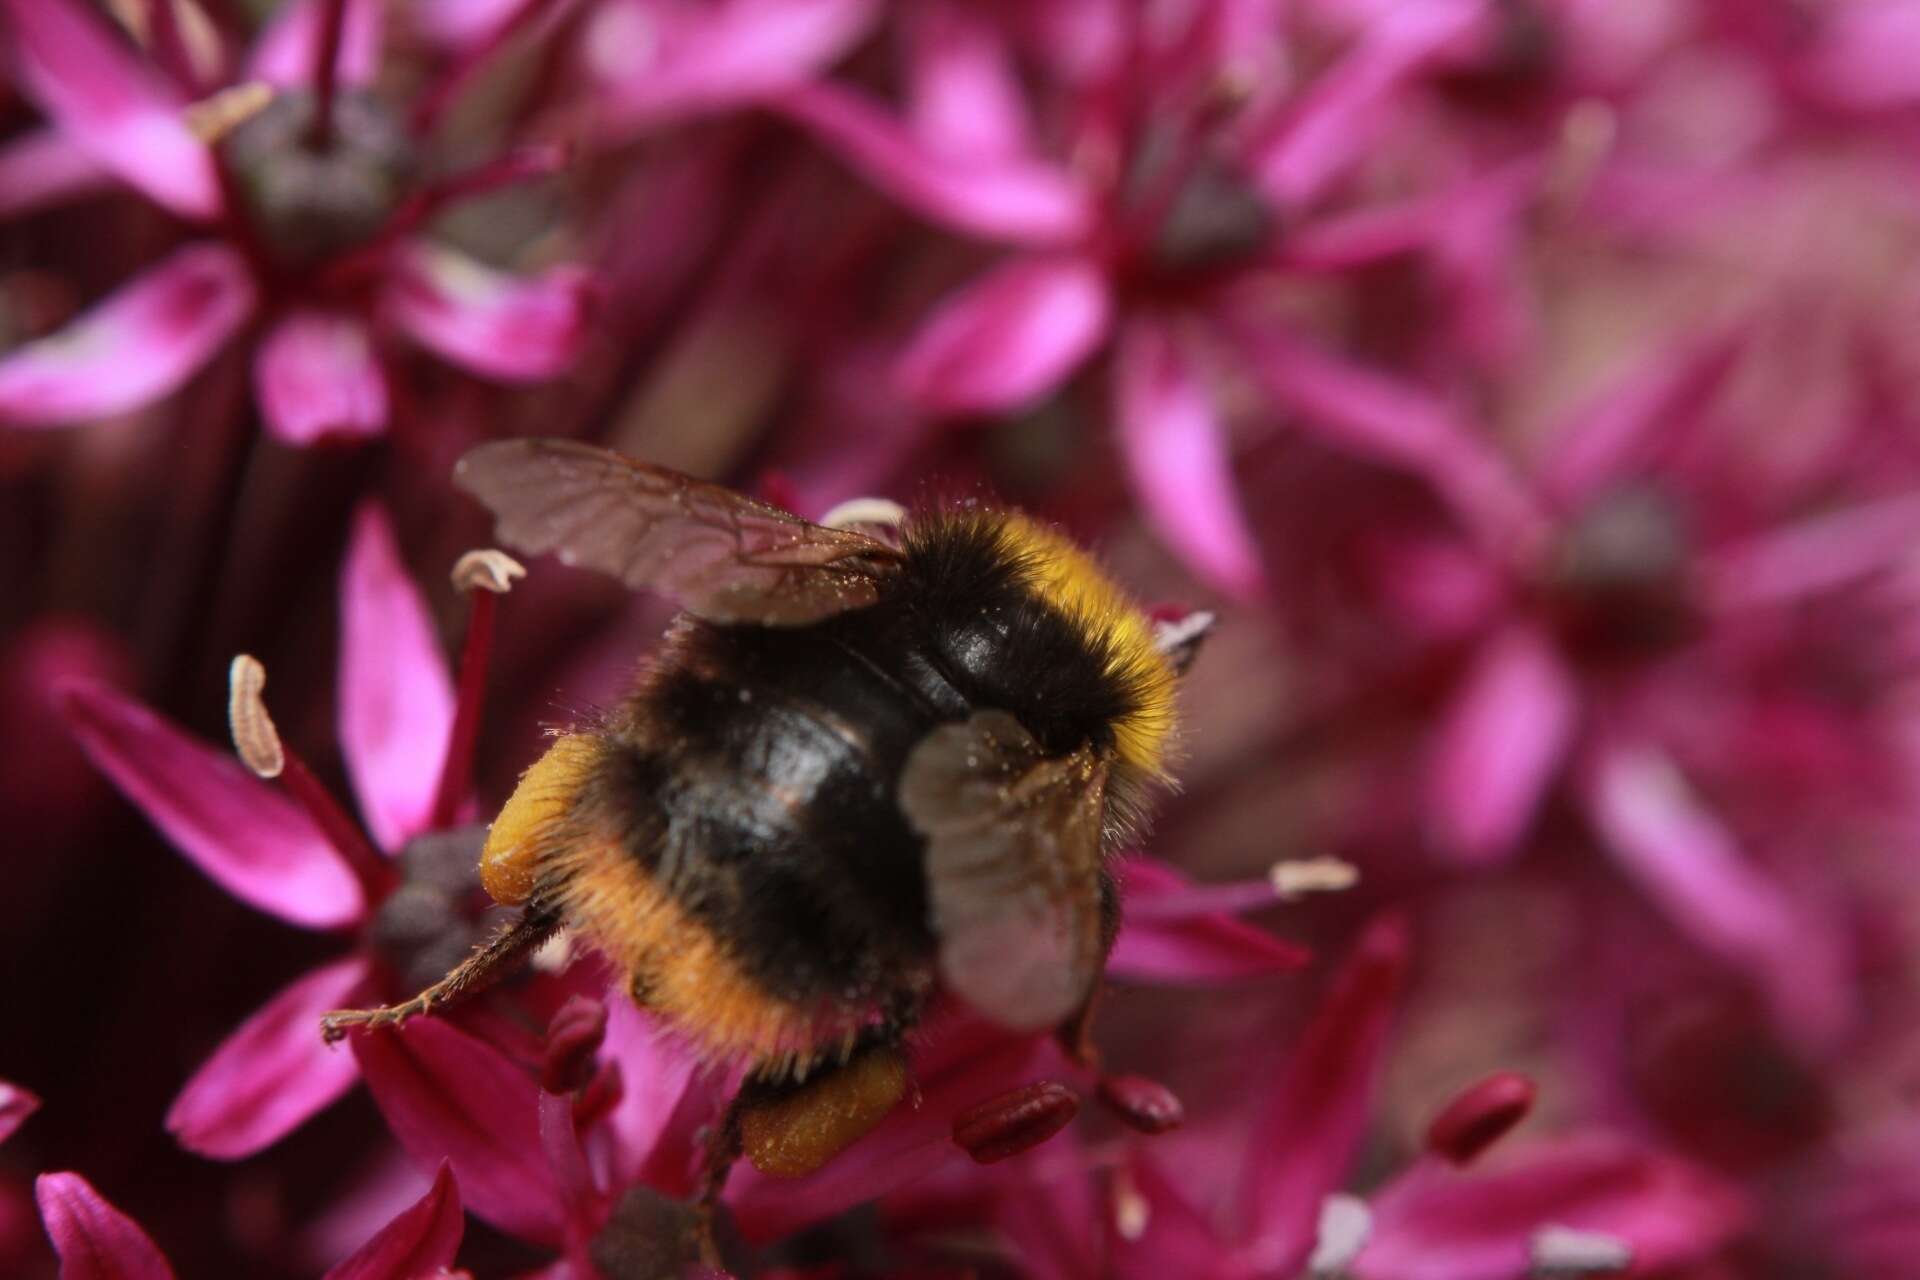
450	1097
1178	1239
95	1241
1611	436
16	1104
1690	864
420	1242
1817	554
1002	197
964	98
1311	1125
109	103
1866	56
1327	129
656	1074
1176	454
316	375
396	698
501	326
662	61
247	837
287	54
1207	946
273	1073
1500	742
1007	338
1434	1224
45	167
1377	416
136	346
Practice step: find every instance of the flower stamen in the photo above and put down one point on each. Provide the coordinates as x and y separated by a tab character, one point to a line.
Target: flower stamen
261	749
484	575
326	72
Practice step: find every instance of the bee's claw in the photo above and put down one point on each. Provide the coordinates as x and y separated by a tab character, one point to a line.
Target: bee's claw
334	1026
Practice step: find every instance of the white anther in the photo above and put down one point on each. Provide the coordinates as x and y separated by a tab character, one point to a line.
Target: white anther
1170	637
1131	1212
1562	1253
880	511
1312	875
215	116
254	736
487	569
1345	1224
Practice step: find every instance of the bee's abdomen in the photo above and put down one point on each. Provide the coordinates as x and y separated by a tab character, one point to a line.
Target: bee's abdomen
774	759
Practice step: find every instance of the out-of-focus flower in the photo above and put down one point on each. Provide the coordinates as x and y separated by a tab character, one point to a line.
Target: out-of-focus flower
96	1241
1181	196
407	898
1613	649
313	195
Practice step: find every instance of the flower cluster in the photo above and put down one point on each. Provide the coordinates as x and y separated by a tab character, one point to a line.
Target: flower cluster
1526	385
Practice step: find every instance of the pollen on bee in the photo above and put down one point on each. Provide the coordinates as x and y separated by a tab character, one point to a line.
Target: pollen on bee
510	859
792	1135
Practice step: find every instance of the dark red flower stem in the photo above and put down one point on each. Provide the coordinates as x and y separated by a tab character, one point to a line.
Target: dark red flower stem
326	72
519	165
375	873
170	46
434	101
456	773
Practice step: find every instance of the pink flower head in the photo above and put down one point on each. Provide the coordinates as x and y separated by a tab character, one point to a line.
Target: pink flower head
1155	230
569	1170
313	208
404	896
1267	1203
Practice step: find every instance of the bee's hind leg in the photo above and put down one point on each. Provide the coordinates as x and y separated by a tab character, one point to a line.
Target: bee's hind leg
490	962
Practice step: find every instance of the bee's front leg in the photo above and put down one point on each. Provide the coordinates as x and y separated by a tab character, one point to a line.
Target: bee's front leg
490	962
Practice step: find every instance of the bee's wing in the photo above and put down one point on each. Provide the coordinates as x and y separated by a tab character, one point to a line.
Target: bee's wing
1013	866
720	554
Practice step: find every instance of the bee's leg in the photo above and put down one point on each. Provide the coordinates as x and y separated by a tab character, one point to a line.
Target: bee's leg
723	1148
489	962
1144	1105
1075	1035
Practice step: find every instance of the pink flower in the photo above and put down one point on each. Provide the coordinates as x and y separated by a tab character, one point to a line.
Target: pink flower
314	212
1267	1202
96	1241
1157	231
1606	662
558	1170
403	897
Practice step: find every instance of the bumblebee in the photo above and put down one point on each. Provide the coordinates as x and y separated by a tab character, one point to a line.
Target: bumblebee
859	770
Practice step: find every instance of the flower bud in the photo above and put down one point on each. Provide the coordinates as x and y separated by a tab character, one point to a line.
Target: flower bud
1145	1105
573	1038
1016	1121
1479	1116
